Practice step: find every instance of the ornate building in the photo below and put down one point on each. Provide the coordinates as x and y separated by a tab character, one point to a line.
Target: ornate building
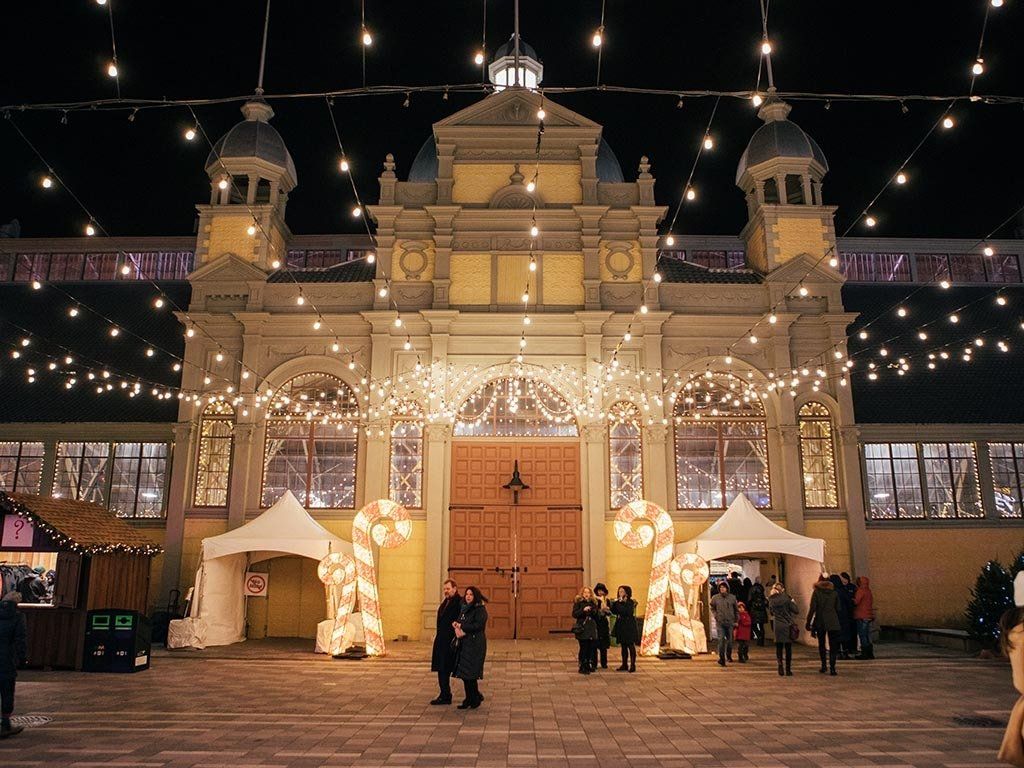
520	311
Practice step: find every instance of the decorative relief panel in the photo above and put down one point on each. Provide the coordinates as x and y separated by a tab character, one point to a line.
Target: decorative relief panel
620	261
413	260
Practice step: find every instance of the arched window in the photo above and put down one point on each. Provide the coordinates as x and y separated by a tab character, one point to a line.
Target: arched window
771	191
625	457
817	457
720	443
515	407
310	447
213	464
794	190
406	481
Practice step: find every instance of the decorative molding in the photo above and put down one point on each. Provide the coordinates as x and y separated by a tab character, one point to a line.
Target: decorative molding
655	433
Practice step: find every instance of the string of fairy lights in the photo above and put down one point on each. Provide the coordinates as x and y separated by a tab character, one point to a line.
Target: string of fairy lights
614	379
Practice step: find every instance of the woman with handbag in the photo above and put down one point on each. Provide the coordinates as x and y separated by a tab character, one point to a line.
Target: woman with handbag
624	608
784	612
472	642
584	610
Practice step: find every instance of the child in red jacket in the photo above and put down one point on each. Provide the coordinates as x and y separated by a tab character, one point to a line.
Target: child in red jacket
742	632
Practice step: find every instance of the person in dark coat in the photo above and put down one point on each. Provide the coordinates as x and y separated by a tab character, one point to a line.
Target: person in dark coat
744	593
758	611
32	587
823	622
13	650
584	610
847	599
442	658
734	584
470	630
604	639
784	612
626	632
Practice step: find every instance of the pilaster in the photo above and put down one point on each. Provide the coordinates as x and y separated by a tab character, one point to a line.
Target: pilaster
438	440
174	537
595	471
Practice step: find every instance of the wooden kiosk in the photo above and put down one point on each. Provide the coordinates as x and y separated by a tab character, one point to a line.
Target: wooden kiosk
101	562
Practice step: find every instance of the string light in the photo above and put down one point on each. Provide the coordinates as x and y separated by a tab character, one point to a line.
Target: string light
596	40
112	70
357	211
343	165
190	134
158	302
756	100
978	67
73	312
988	250
541	114
371	257
766	48
901	178
90	230
367	37
534	231
479	58
46	182
870	221
947	122
691	194
902	312
223	183
670	241
709	143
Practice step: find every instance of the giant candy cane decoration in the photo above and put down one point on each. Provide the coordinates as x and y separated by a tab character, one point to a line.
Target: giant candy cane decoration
687	570
338	573
659	530
370	522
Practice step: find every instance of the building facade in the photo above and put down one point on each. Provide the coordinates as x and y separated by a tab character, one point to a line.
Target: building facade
521	310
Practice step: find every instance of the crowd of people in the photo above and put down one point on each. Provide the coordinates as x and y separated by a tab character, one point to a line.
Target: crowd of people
591	612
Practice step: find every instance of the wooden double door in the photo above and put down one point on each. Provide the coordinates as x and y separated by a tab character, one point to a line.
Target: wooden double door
526	557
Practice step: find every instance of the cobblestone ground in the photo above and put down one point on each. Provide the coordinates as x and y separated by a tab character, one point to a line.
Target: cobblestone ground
270	705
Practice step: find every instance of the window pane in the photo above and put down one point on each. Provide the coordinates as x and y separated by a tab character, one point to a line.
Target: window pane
932	267
625	479
285	462
908	480
213	465
1002	268
817	458
21	467
698	474
881	491
951	475
966	488
967	267
152	475
124	483
1005	479
745	462
82	471
333	483
406	481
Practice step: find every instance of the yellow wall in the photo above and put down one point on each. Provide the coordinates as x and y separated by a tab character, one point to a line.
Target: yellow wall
756	250
923	576
836	534
563	278
228	235
798	235
513	275
471	279
477	182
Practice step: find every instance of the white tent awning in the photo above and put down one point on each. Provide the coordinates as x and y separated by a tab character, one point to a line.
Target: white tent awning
743	529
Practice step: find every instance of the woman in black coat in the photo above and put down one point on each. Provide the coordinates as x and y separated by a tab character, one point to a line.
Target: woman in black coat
604	638
442	657
470	631
585	609
13	648
624	610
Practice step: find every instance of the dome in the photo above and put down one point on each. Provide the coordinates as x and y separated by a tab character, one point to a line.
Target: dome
254	137
778	138
424	166
508	49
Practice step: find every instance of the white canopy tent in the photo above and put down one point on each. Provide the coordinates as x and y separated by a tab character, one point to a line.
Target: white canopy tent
218	603
742	529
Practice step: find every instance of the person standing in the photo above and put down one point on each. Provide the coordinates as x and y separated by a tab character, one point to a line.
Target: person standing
13	649
742	634
864	614
744	593
758	611
32	587
584	610
626	632
734	584
1011	638
604	640
723	608
442	657
847	624
784	612
823	622
470	629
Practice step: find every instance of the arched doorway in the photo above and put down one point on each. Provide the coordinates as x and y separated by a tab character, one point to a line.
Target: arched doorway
523	548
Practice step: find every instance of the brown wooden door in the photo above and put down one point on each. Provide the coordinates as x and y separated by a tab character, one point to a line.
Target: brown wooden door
526	557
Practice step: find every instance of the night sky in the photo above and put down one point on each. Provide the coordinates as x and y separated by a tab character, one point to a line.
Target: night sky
142	178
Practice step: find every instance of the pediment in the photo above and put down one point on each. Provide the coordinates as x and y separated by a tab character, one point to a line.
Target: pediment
227	268
805	268
516	106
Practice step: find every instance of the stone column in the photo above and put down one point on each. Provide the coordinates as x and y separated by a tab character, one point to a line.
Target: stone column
376	463
594	475
791	492
438	438
241	460
849	464
590	233
656	456
444	223
174	538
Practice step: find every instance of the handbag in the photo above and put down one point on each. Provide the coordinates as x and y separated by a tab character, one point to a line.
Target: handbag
794	633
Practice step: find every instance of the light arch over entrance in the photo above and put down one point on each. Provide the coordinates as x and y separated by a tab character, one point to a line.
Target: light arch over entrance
515	406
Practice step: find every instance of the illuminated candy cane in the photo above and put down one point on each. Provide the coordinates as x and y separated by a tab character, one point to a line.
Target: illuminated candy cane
661	533
338	573
687	571
370	522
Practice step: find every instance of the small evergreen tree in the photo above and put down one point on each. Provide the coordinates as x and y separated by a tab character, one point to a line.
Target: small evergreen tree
991	596
1017	564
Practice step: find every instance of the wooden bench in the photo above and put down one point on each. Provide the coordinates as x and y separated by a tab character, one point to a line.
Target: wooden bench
957	639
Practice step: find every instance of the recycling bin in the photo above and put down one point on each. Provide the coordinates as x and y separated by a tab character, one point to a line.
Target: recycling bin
116	641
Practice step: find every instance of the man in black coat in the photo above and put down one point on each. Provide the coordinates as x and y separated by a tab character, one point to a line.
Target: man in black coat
442	658
12	655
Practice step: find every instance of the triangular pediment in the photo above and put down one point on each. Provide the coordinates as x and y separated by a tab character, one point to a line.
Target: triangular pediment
516	106
227	268
805	268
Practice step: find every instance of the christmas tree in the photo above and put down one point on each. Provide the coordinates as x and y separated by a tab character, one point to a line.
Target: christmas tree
991	596
1017	564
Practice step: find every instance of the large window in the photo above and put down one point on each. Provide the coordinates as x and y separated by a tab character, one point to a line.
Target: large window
515	407
21	467
128	478
914	481
310	446
625	457
817	457
406	481
213	466
720	443
1007	461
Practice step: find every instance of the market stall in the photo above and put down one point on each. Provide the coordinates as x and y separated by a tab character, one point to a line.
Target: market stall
66	558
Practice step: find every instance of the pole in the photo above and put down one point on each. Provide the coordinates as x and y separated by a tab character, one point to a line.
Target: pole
263	51
516	48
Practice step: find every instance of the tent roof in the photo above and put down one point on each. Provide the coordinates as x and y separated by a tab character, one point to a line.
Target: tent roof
743	529
284	529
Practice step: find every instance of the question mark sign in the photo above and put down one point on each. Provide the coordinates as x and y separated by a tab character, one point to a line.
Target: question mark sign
19	524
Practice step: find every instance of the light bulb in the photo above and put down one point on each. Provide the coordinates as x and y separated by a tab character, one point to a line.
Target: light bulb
90	230
533	265
112	70
657	277
870	221
407	346
627	336
190	134
73	312
526	297
862	335
531	185
988	250
709	143
534	231
922	336
371	257
300	299
275	264
1001	301
773	318
316	324
36	285
643	309
115	331
944	284
833	262
753	339
357	212
190	332
902	312
756	100
766	47
522	342
222	184
691	194
47	182
383	292
158	302
479	58
367	37
251	230
126	270
978	68
995	3
398	322
104	2
526	320
150	352
803	290
954	319
670	241
596	39
541	114
901	178
947	122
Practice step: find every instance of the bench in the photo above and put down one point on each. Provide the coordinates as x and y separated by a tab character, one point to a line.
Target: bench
957	639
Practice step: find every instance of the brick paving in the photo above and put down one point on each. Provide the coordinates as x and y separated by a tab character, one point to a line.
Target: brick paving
274	705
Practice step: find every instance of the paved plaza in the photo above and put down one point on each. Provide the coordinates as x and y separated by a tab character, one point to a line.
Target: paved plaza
272	705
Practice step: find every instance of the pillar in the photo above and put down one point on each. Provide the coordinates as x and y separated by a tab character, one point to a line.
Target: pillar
595	472
174	537
438	438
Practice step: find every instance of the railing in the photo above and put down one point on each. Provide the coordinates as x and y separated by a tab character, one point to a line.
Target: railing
726	259
103	266
315	259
